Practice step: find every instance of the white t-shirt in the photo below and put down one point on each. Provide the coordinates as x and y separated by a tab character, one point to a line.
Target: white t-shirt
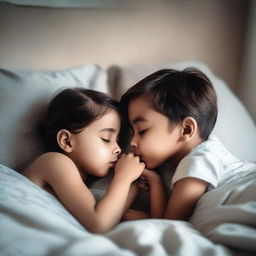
212	162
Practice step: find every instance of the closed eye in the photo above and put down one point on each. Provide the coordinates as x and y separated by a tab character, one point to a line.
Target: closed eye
106	140
142	132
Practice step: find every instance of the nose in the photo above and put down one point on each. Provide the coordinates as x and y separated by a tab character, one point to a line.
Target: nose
133	142
117	150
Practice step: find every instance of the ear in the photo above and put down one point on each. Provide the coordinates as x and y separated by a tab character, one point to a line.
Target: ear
64	139
189	128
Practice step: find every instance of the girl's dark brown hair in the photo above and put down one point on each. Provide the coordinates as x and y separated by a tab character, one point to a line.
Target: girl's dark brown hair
73	109
178	94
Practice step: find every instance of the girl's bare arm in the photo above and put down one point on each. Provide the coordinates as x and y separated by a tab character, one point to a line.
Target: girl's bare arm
64	178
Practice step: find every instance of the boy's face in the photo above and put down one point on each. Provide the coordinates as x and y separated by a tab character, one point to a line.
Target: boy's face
153	139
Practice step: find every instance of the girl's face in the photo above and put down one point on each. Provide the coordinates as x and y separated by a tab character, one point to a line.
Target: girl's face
153	139
95	148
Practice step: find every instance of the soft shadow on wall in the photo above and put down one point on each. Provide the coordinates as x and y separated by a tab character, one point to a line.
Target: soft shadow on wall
142	32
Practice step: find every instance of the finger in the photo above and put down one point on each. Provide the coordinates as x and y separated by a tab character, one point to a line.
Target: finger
130	154
141	182
146	171
143	164
137	158
142	177
145	189
141	185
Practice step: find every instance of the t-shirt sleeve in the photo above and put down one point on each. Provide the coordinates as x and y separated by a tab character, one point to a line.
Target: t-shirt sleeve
202	165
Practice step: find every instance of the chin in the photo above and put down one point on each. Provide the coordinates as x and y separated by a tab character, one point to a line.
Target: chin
100	172
151	165
105	172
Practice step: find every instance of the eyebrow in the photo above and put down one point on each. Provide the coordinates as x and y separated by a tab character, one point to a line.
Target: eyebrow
138	120
111	130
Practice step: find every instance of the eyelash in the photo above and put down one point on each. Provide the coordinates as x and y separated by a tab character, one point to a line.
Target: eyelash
105	140
142	132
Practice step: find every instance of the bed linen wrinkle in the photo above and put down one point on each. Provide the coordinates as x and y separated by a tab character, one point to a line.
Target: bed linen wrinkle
34	222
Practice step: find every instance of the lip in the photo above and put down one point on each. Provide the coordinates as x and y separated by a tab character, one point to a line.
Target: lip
140	156
112	163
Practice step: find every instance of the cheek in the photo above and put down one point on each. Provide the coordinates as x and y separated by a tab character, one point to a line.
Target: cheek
93	153
155	149
96	161
150	143
148	147
98	152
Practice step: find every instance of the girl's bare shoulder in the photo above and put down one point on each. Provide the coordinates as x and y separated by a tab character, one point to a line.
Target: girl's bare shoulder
50	165
57	162
50	159
53	157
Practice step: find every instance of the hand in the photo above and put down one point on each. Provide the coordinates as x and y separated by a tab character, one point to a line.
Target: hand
132	214
142	184
129	167
149	177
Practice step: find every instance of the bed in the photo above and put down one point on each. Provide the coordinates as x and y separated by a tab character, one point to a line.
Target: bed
33	222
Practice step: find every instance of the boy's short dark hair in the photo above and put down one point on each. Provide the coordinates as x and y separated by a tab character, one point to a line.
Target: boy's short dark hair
178	94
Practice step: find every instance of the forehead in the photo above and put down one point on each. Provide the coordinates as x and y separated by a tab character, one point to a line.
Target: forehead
139	110
110	119
138	105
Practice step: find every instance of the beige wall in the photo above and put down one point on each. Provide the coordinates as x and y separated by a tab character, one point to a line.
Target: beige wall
150	32
247	85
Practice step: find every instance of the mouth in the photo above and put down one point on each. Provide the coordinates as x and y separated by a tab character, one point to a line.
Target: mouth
141	158
112	163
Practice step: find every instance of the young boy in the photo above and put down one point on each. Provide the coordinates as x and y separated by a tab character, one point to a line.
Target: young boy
172	114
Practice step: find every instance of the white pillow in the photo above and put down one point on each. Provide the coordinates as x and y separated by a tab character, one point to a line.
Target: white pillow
24	96
234	126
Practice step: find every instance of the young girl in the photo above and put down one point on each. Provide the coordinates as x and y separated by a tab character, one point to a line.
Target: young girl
172	114
81	137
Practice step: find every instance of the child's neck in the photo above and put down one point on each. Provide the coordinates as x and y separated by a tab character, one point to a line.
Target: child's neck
185	149
79	168
83	175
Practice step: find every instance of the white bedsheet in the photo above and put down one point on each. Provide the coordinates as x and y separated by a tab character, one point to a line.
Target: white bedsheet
33	222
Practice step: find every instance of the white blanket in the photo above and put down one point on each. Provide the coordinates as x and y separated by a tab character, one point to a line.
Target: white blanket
33	222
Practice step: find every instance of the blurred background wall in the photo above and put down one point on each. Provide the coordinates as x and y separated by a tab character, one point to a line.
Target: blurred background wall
246	88
220	33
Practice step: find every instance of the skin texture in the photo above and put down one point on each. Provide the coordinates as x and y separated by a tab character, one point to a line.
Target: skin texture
150	180
92	151
156	141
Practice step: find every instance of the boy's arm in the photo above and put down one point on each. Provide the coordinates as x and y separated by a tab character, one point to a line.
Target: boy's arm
157	198
157	194
133	193
185	194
